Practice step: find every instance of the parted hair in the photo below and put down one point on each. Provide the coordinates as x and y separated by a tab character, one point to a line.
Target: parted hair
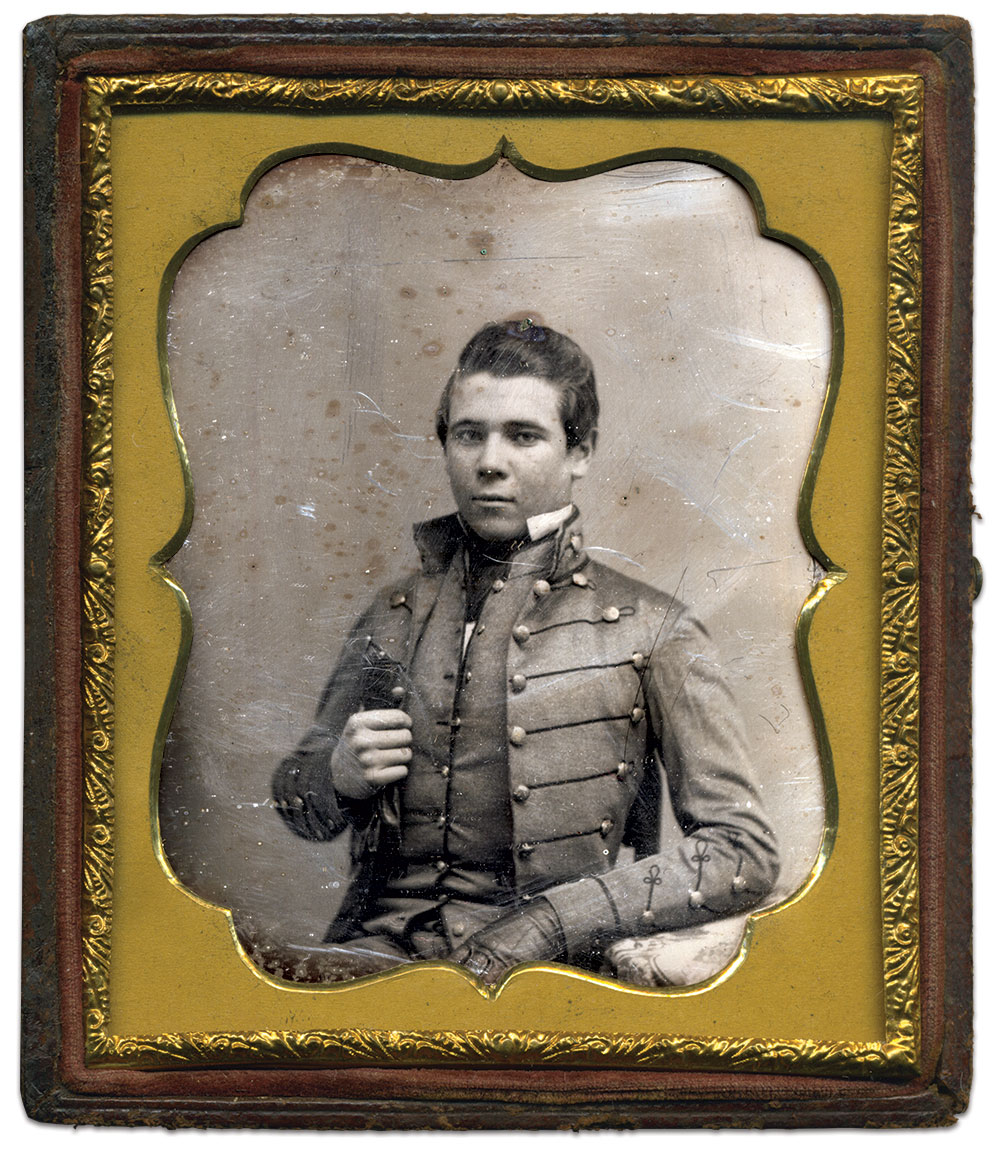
514	349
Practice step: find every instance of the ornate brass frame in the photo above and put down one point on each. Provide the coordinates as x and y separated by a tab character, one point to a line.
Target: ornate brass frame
898	96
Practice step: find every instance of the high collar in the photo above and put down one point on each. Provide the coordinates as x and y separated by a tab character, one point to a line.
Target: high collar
558	555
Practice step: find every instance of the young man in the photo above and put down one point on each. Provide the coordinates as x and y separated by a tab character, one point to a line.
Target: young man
501	725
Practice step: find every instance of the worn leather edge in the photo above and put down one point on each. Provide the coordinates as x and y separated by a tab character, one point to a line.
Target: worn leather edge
44	423
77	35
952	625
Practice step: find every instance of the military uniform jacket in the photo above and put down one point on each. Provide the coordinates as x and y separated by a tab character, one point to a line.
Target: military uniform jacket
610	693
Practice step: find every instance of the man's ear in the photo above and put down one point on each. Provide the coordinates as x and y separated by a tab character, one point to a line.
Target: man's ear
582	453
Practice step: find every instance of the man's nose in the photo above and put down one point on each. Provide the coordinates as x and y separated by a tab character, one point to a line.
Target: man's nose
492	459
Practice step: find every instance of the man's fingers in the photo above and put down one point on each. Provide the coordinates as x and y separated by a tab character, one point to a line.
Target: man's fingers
383	740
380	776
383	719
376	757
379	742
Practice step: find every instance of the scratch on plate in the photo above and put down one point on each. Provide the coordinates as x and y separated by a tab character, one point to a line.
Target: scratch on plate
800	352
384	489
739	446
616	553
743	566
746	405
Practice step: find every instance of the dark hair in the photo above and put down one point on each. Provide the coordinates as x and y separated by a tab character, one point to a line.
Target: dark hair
514	349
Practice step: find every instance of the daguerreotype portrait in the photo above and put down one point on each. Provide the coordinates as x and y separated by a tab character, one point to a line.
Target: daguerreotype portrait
497	623
545	595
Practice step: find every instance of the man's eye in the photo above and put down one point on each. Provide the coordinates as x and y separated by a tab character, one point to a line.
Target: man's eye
465	437
526	437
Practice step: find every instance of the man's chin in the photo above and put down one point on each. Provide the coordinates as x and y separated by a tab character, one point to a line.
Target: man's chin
495	526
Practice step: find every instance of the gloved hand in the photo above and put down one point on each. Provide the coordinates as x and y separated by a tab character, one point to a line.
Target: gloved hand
531	933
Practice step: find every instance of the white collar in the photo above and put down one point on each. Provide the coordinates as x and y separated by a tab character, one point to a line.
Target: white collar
539	525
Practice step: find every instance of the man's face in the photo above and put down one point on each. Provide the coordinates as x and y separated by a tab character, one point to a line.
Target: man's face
506	453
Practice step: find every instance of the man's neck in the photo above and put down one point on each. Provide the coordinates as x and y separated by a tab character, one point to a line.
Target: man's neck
539	526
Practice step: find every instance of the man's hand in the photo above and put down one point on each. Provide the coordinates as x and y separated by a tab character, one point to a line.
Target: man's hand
533	933
374	750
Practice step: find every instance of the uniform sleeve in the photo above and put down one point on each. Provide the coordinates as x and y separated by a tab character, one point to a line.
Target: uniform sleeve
724	858
303	788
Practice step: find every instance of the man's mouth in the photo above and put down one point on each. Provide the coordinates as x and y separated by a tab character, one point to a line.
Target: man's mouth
492	500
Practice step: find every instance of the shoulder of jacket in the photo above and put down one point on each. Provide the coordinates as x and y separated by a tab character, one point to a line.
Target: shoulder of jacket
607	580
395	594
387	601
658	608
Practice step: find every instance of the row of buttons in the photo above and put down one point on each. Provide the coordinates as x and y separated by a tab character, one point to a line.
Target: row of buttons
522	632
518	736
519	682
541	587
522	791
696	899
526	849
610	614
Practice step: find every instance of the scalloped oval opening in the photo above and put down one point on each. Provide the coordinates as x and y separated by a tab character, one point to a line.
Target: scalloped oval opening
307	350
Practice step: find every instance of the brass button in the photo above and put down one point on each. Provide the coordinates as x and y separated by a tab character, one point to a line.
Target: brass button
606	826
522	633
638	660
468	676
648	918
521	792
611	614
576	543
637	715
397	599
458	928
498	585
457	722
441	865
541	587
442	820
446	771
517	736
580	580
622	770
696	899
518	683
525	850
398	693
479	629
739	884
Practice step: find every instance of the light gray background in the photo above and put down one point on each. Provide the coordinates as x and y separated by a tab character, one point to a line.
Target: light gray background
307	350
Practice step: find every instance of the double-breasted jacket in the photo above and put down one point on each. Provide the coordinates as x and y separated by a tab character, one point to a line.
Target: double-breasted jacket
583	720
